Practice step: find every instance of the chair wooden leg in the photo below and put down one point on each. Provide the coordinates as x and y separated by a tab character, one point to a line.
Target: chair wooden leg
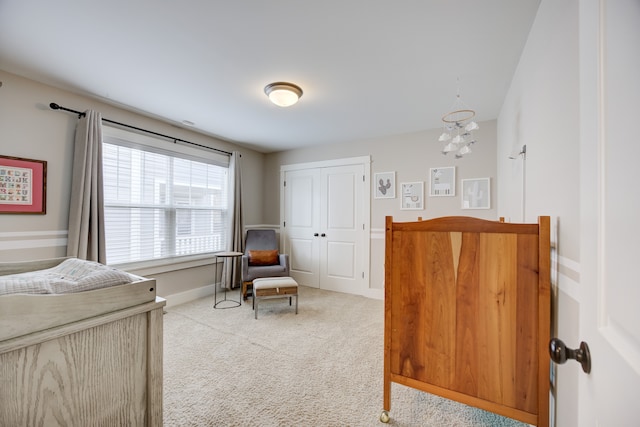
245	288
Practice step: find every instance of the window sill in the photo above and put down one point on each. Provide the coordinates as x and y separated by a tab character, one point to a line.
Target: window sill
149	268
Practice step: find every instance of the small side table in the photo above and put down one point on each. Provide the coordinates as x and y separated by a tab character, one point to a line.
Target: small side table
227	259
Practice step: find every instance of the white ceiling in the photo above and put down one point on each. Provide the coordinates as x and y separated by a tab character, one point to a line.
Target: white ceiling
368	68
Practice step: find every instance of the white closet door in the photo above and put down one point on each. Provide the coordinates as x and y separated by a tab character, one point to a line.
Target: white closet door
302	224
341	229
324	228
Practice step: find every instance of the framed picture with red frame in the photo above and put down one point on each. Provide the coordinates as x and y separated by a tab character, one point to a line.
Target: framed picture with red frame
23	186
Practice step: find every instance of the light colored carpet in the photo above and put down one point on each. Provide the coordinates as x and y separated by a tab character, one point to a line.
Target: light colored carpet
322	367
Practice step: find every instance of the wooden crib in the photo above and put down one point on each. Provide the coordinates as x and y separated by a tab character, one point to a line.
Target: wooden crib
467	313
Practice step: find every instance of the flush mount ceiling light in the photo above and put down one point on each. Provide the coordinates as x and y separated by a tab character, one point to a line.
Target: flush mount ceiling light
283	94
458	127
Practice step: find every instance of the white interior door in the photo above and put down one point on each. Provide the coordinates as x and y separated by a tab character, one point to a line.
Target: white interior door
341	228
302	224
610	205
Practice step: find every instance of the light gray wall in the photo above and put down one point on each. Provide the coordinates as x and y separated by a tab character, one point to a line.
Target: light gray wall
28	128
410	156
541	111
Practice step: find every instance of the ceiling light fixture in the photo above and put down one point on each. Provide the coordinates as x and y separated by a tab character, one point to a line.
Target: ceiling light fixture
458	127
283	94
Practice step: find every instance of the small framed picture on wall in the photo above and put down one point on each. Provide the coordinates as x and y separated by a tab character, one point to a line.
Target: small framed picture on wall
412	195
442	182
384	185
476	193
23	186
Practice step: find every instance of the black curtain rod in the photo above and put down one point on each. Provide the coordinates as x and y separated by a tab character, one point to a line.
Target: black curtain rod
55	106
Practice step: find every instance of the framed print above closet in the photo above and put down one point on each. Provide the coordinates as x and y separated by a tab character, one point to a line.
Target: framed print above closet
476	193
412	195
385	185
442	182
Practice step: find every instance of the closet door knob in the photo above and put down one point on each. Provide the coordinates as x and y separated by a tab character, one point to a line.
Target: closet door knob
315	234
323	235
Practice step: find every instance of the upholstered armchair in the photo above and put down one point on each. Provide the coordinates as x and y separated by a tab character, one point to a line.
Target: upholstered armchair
261	258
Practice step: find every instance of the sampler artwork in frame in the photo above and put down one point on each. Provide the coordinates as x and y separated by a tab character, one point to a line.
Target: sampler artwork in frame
412	195
442	182
23	186
385	185
476	193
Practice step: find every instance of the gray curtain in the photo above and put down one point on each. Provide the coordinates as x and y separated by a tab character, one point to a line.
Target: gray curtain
236	224
86	208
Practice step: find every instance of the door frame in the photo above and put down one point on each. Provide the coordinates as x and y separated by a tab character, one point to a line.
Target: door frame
365	161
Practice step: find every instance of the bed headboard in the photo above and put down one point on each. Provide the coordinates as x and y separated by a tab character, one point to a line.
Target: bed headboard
467	313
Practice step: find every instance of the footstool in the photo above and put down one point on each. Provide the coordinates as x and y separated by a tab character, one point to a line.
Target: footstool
274	287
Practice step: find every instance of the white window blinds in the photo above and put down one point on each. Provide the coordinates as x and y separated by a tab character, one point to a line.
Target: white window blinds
159	203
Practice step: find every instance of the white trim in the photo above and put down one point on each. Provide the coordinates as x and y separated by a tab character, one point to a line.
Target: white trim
6	234
377	234
374	293
18	239
262	226
29	244
366	217
165	265
190	295
327	163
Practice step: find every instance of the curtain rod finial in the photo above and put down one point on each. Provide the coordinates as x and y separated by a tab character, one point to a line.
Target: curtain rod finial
54	106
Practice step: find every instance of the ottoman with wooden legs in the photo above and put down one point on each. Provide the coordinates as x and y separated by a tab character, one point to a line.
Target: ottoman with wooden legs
274	287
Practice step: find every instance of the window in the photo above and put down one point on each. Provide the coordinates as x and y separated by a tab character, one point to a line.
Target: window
161	204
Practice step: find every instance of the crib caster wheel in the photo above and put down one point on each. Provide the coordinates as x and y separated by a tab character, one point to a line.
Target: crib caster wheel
384	417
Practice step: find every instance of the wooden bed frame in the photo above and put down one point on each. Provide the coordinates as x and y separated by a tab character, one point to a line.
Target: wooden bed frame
88	358
467	313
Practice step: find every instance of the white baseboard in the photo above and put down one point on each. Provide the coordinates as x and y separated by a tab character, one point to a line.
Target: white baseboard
190	295
205	291
374	293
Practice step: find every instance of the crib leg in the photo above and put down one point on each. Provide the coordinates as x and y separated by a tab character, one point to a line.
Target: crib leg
386	397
